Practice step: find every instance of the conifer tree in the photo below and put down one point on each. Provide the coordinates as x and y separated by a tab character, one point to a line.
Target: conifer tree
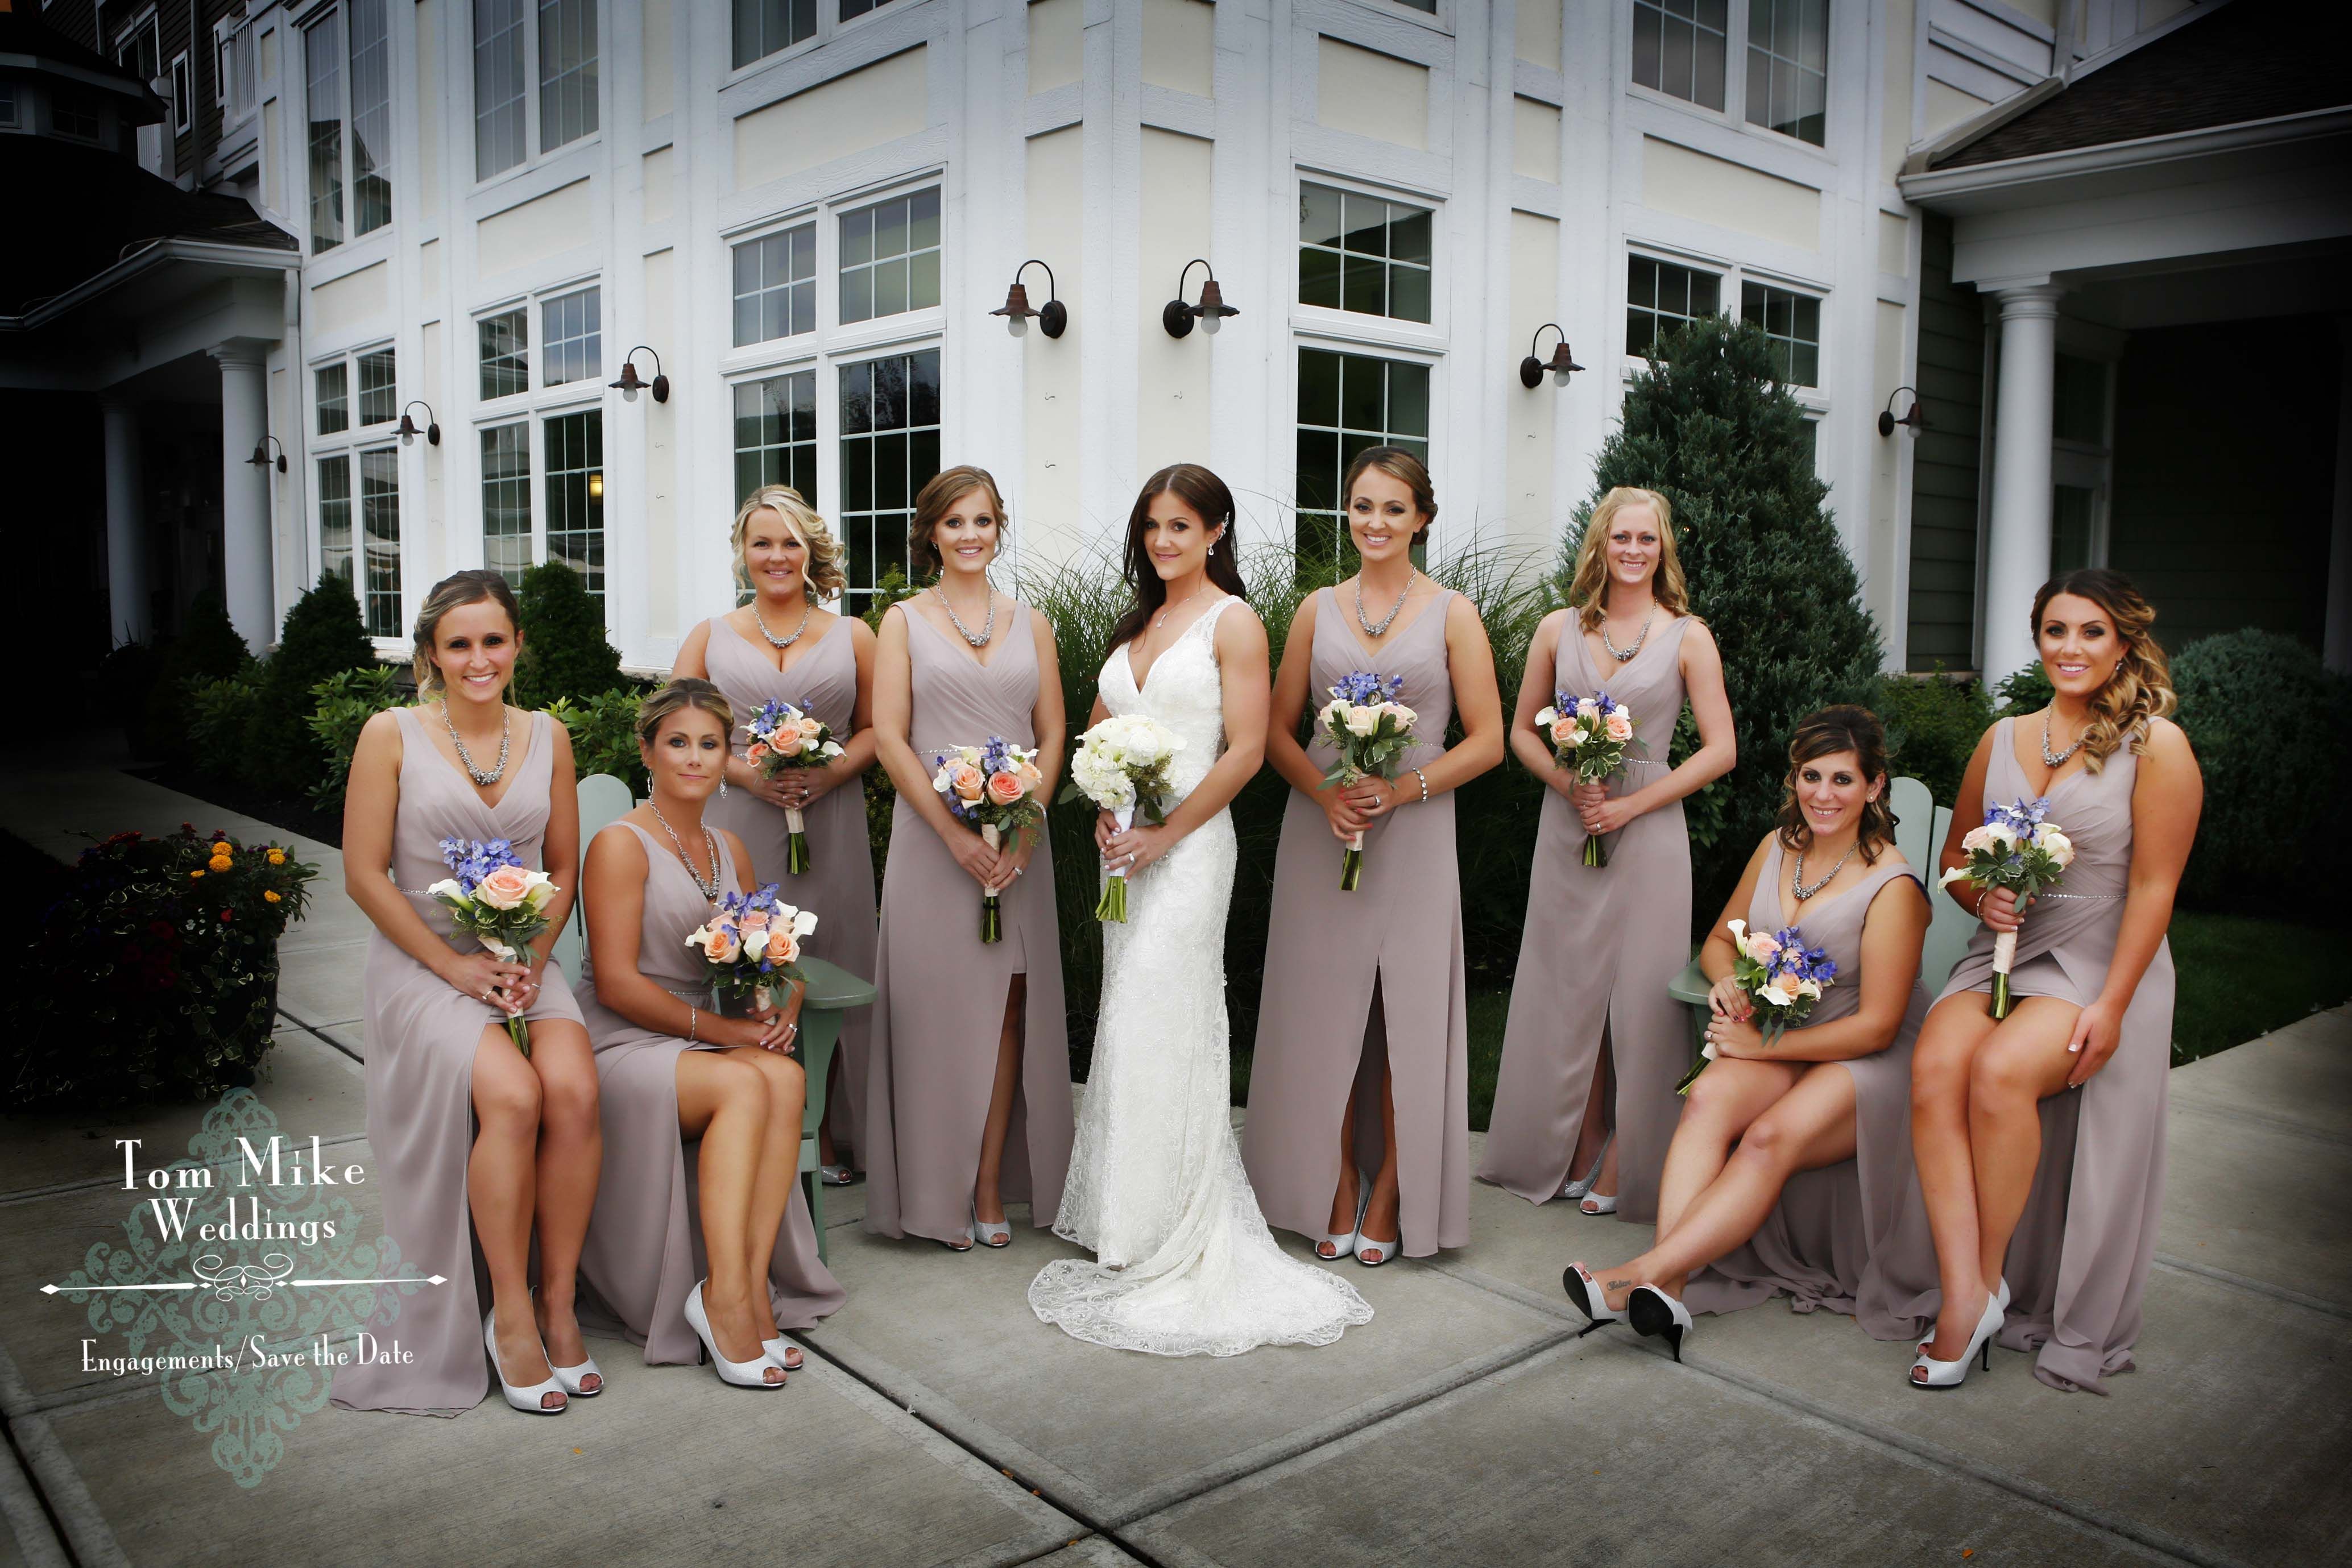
565	652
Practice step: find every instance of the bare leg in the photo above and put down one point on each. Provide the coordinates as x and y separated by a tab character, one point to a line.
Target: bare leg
2024	1063
1593	1131
1942	1067
1381	1216
1352	1181
571	1158
1726	1097
987	1199
771	1192
725	1103
500	1189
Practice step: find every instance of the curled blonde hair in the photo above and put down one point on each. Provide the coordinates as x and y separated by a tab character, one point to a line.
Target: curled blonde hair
824	577
1588	586
2141	687
455	592
685	692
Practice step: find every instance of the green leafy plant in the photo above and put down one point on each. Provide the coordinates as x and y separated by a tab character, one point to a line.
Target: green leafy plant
565	652
206	649
604	736
2026	690
220	718
1933	725
345	702
323	636
2273	731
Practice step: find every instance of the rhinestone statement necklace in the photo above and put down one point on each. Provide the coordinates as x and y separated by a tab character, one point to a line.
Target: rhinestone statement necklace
711	845
2058	758
1625	655
1389	619
780	644
1797	881
987	628
506	735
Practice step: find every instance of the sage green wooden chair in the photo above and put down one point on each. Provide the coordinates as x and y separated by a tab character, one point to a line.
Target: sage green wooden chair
831	991
603	800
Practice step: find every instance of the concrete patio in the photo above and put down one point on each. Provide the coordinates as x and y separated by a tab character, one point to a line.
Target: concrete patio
940	1422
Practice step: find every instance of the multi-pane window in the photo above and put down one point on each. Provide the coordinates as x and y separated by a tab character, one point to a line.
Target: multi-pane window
775	286
184	94
567	72
73	113
498	130
333	399
322	55
763	27
379	399
1364	253
775	434
1680	47
1660	296
335	515
140	51
506	500
371	116
380	534
574	447
572	339
850	9
1789	65
890	258
1793	322
505	341
9	113
889	450
1346	403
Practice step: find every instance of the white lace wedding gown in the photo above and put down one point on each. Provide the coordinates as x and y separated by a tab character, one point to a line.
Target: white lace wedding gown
1185	1263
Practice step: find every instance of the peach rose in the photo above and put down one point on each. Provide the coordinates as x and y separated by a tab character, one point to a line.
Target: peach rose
1620	726
754	920
1763	948
721	945
968	781
1005	787
1029	778
810	728
1784	987
1563	733
788	746
759	750
783	946
504	888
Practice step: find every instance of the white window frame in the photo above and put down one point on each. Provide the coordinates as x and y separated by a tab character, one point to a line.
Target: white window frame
532	408
533	156
1734	112
182	73
349	444
1729	274
12	112
832	345
1351	319
829	26
148	21
233	63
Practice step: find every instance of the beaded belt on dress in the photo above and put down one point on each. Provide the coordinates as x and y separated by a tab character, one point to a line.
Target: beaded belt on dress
2092	897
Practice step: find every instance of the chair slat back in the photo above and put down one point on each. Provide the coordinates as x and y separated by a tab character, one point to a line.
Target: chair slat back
603	800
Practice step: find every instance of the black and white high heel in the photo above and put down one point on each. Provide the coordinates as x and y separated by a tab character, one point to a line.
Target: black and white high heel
1585	1292
1656	1315
752	1373
1952	1374
531	1398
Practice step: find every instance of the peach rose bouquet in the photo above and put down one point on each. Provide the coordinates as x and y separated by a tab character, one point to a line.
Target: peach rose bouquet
993	789
496	900
1783	978
786	737
1588	735
751	944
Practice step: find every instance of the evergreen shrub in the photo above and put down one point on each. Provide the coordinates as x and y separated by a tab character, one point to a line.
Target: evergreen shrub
565	652
321	637
1933	725
2273	731
206	649
345	702
604	736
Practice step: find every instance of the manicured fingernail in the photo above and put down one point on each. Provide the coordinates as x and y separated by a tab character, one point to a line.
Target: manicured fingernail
2073	1047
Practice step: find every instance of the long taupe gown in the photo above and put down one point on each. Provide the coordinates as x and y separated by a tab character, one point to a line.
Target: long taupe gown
1835	1239
1599	948
1327	953
422	1036
839	883
644	1252
2080	1257
933	1060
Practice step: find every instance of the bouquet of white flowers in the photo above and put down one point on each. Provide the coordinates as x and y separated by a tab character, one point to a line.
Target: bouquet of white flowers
2017	850
1122	764
1371	730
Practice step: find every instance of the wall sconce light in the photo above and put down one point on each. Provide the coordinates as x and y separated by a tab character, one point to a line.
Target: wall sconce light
1178	316
408	431
630	385
1052	317
1914	420
260	458
1562	364
596	485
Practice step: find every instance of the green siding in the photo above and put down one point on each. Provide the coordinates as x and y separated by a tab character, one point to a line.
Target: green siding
1944	461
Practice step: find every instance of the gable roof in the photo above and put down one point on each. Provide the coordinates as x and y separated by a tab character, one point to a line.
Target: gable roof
2247	61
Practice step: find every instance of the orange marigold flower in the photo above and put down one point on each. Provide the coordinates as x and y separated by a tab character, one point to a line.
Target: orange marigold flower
277	857
195	874
220	862
270	898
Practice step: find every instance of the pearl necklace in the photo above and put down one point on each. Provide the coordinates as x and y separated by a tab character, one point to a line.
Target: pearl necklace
988	627
1625	655
1388	620
2058	760
1796	880
506	735
780	644
710	843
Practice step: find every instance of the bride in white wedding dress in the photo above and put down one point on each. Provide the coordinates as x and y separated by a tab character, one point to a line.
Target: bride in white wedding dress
1183	1262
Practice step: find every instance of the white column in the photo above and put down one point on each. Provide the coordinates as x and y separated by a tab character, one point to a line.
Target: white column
245	498
2336	641
2017	556
126	527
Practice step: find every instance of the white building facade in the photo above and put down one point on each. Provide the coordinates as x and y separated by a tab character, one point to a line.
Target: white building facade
806	210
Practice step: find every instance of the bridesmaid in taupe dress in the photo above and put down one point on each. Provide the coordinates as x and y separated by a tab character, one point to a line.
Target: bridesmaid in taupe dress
671	1069
783	647
1792	1163
1584	1101
2053	1252
439	1059
1362	1055
968	1081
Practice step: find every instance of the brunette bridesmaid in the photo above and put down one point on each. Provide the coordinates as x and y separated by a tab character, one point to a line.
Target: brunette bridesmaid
968	1080
440	1064
1792	1160
1362	1058
1584	1102
2053	1252
781	646
670	1069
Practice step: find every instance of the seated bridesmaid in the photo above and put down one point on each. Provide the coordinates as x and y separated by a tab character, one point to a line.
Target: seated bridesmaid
1833	1091
671	1069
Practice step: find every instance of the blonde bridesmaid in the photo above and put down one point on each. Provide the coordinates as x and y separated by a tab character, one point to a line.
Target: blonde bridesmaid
784	646
1584	1102
968	1082
476	1146
672	1070
2051	1254
1358	1133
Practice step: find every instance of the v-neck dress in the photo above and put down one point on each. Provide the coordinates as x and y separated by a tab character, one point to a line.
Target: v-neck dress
1599	948
1844	1236
421	1037
839	883
2079	1262
643	1250
932	1065
1327	952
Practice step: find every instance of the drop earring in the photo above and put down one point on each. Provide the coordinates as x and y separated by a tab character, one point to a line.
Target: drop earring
722	786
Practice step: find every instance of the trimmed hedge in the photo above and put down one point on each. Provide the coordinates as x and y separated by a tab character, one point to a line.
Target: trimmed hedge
2273	731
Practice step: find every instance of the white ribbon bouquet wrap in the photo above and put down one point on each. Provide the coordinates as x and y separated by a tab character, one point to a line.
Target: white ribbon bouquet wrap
2020	849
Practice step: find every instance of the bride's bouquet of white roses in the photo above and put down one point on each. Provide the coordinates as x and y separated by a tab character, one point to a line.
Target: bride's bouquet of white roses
1122	764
